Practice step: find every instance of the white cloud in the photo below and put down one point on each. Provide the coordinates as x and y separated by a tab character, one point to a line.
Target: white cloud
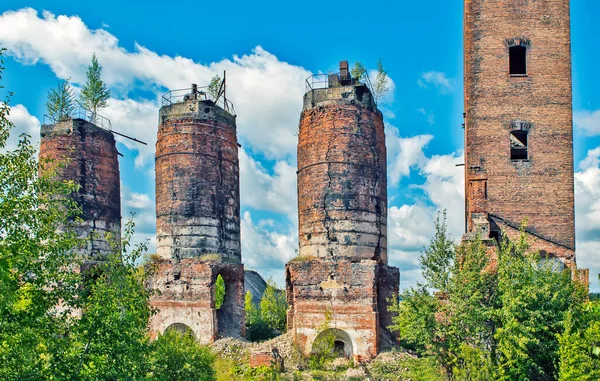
138	120
265	250
403	153
436	79
587	121
263	191
24	123
142	207
266	92
587	214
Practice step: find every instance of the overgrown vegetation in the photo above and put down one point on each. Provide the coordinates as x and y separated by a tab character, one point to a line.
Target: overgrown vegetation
268	319
219	292
61	101
94	94
489	318
57	323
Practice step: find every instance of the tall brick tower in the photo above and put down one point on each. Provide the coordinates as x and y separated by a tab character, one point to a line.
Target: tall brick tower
198	216
519	124
340	280
91	158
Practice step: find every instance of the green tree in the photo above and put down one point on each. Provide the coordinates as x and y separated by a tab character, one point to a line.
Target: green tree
111	339
177	356
219	292
256	328
497	314
579	351
382	82
95	93
252	313
61	101
214	86
273	307
358	71
38	287
436	259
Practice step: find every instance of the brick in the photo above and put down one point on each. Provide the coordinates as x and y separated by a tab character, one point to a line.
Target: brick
341	269
90	159
500	192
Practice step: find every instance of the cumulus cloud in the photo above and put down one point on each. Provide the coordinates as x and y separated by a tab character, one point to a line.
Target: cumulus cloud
267	250
24	123
435	79
587	214
264	191
403	153
587	121
266	92
141	206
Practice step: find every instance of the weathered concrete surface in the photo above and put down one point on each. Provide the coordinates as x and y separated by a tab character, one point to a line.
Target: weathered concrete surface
90	159
197	221
539	189
185	294
340	280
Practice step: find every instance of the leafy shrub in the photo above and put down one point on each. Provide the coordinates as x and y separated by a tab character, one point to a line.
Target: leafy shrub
219	291
177	356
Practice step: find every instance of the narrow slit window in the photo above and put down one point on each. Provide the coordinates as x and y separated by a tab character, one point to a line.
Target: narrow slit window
518	145
518	60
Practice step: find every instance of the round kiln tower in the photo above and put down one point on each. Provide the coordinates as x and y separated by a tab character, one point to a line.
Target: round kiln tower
342	186
91	160
197	180
198	217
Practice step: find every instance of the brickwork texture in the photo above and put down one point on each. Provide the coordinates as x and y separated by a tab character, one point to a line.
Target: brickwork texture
90	159
538	189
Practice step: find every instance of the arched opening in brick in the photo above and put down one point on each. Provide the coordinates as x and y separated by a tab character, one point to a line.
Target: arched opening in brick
225	305
549	262
181	328
518	60
335	341
518	145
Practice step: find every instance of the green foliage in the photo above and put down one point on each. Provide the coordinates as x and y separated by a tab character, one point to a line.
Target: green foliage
94	94
34	255
61	101
382	81
489	320
579	351
177	356
214	86
111	339
416	320
219	292
324	344
437	258
358	71
256	328
273	307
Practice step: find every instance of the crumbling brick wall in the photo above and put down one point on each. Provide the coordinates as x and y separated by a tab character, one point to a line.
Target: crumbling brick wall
197	221
340	281
90	159
185	294
540	188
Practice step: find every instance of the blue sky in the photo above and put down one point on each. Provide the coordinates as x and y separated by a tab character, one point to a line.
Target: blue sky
268	48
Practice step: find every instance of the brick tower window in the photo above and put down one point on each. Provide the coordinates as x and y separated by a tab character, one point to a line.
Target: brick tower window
518	60
518	145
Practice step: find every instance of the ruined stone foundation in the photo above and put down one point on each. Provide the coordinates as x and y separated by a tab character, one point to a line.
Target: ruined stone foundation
89	158
339	283
197	221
